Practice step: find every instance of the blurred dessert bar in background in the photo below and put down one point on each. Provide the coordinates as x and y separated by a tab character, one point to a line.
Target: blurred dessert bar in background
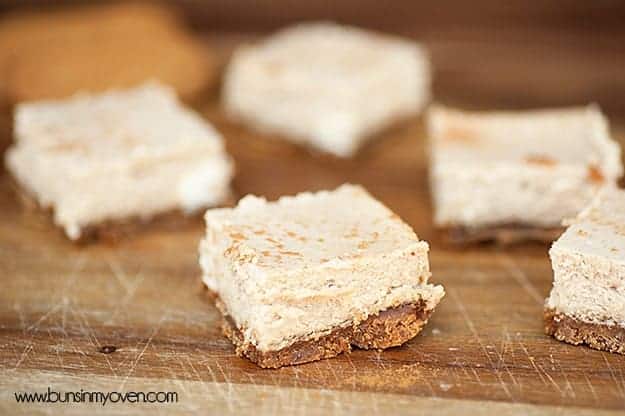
327	86
53	53
509	176
307	277
587	302
101	162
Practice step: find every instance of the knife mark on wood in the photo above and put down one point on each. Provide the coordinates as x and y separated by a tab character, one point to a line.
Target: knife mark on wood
471	326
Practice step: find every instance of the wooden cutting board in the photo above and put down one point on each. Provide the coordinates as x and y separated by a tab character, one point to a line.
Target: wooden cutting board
63	308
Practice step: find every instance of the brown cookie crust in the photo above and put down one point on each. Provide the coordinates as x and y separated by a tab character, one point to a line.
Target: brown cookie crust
609	338
389	328
504	234
112	231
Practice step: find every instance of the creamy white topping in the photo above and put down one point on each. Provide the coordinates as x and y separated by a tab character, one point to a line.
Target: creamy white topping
327	85
528	167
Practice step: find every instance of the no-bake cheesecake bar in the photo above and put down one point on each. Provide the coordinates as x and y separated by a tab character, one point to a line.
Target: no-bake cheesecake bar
326	85
587	302
516	175
307	277
98	161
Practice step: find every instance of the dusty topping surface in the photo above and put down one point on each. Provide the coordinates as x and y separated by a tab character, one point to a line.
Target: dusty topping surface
600	229
140	123
574	136
346	51
308	229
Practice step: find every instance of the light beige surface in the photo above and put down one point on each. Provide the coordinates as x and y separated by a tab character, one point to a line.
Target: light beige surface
527	168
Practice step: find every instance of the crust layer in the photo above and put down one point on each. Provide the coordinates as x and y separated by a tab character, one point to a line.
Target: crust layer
389	328
115	230
503	234
609	338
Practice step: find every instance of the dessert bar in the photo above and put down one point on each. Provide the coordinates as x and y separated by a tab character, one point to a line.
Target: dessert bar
97	161
327	86
587	302
511	176
309	276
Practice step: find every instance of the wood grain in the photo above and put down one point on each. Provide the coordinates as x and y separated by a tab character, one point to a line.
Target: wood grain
483	351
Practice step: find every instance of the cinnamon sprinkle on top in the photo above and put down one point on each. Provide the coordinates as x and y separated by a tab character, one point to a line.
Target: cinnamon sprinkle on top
460	134
537	159
595	174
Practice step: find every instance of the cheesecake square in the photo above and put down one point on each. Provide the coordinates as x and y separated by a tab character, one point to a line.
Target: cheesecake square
104	161
587	301
309	276
515	175
326	85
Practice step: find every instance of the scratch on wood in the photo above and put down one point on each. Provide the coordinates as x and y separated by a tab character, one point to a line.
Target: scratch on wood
378	359
219	386
521	278
568	386
130	293
130	287
551	380
427	381
532	361
76	349
205	385
64	314
477	376
504	338
50	311
119	274
619	388
253	380
354	371
226	381
591	387
197	375
471	326
330	365
88	332
138	358
57	349
18	308
19	362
